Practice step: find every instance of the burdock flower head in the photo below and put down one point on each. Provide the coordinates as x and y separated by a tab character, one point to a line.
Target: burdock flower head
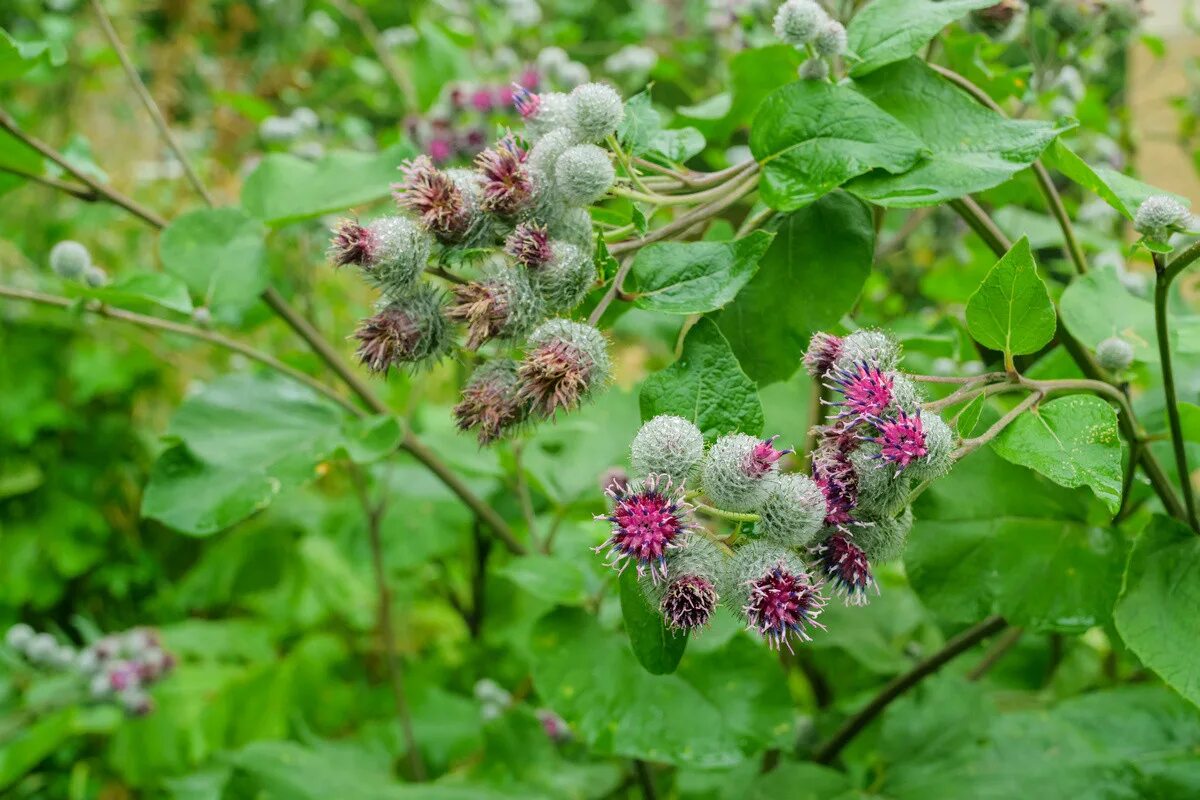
690	595
489	404
542	112
564	281
565	361
594	111
846	569
502	305
667	445
583	174
648	518
435	198
901	439
823	350
794	512
1159	216
780	599
390	251
410	330
507	188
740	470
870	346
529	245
939	442
866	390
834	474
883	538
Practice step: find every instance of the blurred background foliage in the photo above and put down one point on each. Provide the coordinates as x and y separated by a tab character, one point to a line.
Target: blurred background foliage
517	685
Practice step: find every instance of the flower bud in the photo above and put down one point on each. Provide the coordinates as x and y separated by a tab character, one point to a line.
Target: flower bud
690	595
504	305
814	69
70	260
823	350
436	198
667	445
830	40
1159	216
648	518
779	599
883	538
564	363
202	316
739	473
872	347
529	245
507	187
41	649
940	442
846	569
572	225
882	490
391	251
410	330
793	513
595	111
1114	354
554	726
19	637
489	404
95	277
583	174
542	112
564	282
797	22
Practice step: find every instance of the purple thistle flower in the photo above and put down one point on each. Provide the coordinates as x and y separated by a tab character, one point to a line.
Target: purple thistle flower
783	605
353	243
389	337
823	350
846	567
440	149
507	185
867	390
529	245
763	457
481	100
123	675
834	474
531	78
434	198
526	102
484	307
688	602
554	376
489	402
901	439
648	518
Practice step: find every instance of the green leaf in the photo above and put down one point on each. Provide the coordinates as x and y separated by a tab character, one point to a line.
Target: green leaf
892	30
821	253
159	288
656	646
285	188
1158	614
201	499
35	741
1096	306
640	124
437	60
1073	441
370	439
1117	189
706	385
220	254
695	277
678	144
994	538
17	58
811	137
555	580
972	148
753	74
1011	310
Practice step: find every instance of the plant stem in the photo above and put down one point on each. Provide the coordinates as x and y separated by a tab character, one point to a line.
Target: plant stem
994	653
1000	424
899	685
1162	286
611	294
645	780
78	192
151	107
694	198
978	220
730	515
523	495
155	323
685	221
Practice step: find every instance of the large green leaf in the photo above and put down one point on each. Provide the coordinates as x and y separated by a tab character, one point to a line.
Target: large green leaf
809	278
1117	189
587	675
1158	614
657	648
892	30
1073	441
1096	306
220	254
17	58
201	499
994	538
555	580
1011	310
972	148
706	385
811	137
695	277
284	188
35	741
753	74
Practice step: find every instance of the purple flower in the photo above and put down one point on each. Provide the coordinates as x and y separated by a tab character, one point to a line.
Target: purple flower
554	726
834	474
434	198
901	439
648	518
507	186
489	402
846	568
867	391
784	605
688	602
481	100
529	245
123	675
526	102
761	459
823	350
440	149
391	336
484	307
352	244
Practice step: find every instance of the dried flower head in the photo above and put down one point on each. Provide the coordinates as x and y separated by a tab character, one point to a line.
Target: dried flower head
435	198
507	188
688	602
823	350
410	330
529	245
502	305
648	518
565	362
489	404
846	569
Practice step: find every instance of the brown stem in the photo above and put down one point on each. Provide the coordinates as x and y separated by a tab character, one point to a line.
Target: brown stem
611	294
78	192
689	219
901	684
994	653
